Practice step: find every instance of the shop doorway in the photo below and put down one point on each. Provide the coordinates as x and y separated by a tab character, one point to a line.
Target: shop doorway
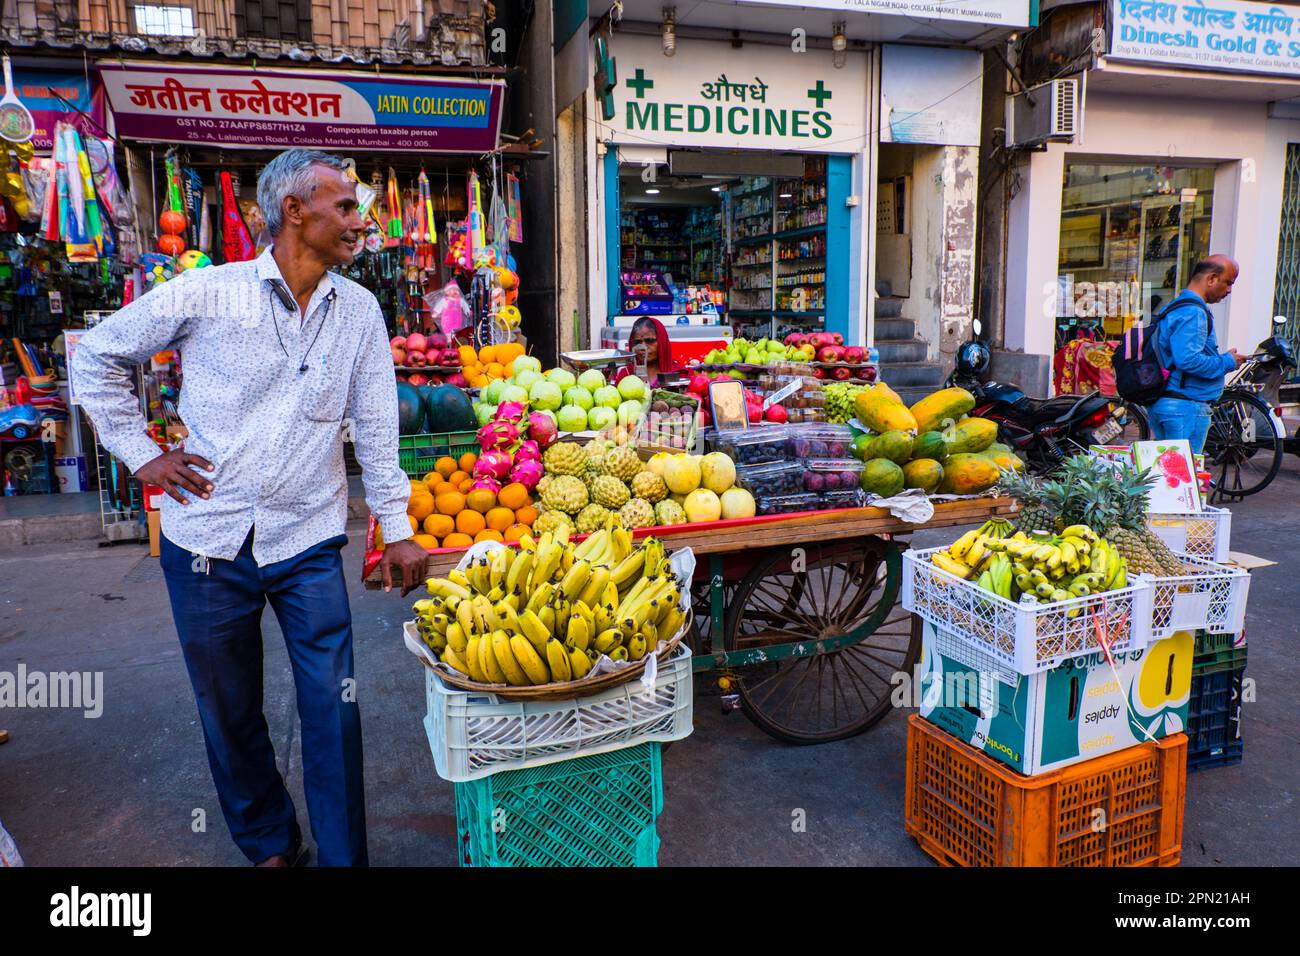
706	242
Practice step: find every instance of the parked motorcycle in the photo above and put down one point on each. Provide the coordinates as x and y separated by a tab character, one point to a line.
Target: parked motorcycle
1043	431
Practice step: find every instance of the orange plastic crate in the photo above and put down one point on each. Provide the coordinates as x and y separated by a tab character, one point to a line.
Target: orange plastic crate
966	809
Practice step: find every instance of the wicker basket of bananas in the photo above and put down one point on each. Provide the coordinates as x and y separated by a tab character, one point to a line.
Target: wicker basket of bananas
554	620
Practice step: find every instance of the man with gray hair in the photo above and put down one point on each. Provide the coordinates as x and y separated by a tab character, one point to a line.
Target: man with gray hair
282	362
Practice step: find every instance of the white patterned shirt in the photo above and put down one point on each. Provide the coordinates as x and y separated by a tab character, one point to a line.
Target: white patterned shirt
273	432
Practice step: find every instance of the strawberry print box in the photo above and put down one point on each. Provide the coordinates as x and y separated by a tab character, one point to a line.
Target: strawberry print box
1175	490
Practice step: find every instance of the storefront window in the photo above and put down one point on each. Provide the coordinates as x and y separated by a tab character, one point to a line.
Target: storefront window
1130	235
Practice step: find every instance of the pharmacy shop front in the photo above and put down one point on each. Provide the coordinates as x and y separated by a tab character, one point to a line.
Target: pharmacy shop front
731	192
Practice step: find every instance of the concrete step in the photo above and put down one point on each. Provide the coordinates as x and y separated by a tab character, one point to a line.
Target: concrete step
889	308
896	353
913	393
895	330
912	375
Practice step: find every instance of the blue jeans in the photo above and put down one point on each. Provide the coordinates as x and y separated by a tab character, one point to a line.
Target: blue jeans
1180	418
218	617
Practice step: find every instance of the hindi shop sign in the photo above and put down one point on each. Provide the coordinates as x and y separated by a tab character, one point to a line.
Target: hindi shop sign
755	97
1210	34
273	108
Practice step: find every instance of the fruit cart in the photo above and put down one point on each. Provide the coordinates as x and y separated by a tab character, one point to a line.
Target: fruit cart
797	615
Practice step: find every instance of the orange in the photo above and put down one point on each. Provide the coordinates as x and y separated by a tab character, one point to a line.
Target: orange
426	541
470	522
514	495
466	485
467	355
457	476
481	500
488	535
526	515
510	369
509	351
442	487
451	503
429	480
439	525
468	461
445	465
415	524
500	518
487	354
456	540
420	506
517	531
495	370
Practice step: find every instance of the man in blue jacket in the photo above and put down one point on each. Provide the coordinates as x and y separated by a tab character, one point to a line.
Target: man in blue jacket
1187	348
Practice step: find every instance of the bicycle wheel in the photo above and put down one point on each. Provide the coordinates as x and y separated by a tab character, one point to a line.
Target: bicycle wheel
1242	446
1136	426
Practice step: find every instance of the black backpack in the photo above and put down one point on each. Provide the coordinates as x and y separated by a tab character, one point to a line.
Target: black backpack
1139	376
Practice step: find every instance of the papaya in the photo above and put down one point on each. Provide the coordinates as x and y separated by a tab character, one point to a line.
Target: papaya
970	435
1005	460
883	389
947	404
923	473
968	474
894	445
860	447
930	445
881	413
882	477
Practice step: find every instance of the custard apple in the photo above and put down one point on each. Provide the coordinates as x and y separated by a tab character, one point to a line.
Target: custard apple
637	513
648	485
670	512
551	521
595	452
565	458
609	491
540	488
622	462
565	493
592	518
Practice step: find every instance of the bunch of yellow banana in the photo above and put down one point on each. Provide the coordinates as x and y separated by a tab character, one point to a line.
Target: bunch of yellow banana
547	612
972	550
1075	563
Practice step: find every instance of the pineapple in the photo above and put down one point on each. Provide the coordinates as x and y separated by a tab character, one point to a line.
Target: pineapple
1130	494
1035	514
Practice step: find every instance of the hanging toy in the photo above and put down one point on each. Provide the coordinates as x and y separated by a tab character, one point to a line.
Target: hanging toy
236	243
172	221
394	227
476	240
192	259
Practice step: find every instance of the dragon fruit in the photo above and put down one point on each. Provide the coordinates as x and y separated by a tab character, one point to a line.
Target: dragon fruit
542	429
493	463
528	451
491	484
510	412
527	472
497	434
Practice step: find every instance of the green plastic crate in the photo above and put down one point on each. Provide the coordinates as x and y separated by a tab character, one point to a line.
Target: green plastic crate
417	453
1215	652
598	810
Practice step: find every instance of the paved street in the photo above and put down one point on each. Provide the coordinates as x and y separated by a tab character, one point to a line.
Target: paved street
124	789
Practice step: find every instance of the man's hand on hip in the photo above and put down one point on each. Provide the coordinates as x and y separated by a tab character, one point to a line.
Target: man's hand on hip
171	470
411	559
1239	359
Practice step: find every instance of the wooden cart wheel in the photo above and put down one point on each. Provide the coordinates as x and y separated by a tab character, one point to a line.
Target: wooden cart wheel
845	590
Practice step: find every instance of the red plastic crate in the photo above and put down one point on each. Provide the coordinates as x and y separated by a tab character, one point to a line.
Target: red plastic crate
966	809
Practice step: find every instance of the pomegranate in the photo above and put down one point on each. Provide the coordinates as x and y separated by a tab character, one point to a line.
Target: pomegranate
777	414
830	353
699	385
415	359
455	378
449	357
842	372
855	354
416	342
399	355
418	379
398	341
437	342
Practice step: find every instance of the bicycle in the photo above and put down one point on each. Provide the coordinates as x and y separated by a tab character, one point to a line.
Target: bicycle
1246	438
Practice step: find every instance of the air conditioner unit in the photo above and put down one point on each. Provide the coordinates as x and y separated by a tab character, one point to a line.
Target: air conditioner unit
1052	117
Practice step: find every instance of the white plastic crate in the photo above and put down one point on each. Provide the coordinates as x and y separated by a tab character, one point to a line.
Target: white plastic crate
1210	598
1205	535
1027	638
473	735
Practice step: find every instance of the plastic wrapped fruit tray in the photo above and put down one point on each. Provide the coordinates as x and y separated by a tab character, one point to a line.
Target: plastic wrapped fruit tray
771	478
1027	637
794	504
818	440
832	474
751	446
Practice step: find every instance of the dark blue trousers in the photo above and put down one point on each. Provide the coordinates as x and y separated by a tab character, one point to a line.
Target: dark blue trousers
218	613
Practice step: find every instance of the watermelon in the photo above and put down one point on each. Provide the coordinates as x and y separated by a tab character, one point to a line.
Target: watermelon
449	410
410	409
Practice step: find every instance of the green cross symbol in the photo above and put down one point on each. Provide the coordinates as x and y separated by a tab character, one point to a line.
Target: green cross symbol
820	94
640	83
